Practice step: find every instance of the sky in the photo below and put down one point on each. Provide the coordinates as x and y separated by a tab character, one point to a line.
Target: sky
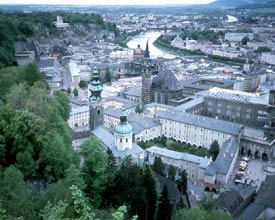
106	2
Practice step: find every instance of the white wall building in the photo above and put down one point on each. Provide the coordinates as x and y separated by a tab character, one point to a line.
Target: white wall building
268	58
197	130
79	117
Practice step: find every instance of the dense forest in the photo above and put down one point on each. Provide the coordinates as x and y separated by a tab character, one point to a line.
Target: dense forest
23	26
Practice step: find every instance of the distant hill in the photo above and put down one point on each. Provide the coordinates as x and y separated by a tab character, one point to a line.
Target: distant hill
264	4
236	3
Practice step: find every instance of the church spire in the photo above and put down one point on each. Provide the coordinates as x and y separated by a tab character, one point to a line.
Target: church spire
96	87
147	52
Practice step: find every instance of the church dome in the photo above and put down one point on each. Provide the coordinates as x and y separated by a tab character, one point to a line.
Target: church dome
166	80
138	51
123	128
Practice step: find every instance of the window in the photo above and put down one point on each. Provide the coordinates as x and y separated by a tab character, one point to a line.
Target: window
98	111
120	140
126	140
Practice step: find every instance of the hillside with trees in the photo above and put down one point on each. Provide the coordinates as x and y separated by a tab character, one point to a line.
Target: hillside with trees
37	32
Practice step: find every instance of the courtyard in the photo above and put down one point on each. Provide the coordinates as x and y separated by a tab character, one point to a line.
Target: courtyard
255	172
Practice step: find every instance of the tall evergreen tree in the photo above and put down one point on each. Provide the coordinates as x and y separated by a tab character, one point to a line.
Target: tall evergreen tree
171	172
164	209
182	182
214	149
151	201
158	166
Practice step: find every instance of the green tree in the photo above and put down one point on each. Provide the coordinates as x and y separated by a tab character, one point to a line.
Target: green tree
94	168
26	28
164	209
182	182
152	195
214	149
15	194
158	166
26	164
56	212
138	109
56	158
63	104
108	75
201	214
31	74
73	176
3	212
28	132
171	172
81	205
208	202
245	40
82	84
75	92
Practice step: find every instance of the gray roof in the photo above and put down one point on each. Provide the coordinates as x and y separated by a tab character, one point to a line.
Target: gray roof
127	104
230	200
138	122
201	161
202	121
114	112
155	104
265	194
236	96
45	63
166	80
251	212
194	102
224	159
109	141
204	83
245	190
141	122
134	92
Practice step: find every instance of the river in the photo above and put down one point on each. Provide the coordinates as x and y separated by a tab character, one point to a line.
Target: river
151	36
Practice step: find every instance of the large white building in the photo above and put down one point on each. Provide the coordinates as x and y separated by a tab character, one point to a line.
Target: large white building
197	130
79	117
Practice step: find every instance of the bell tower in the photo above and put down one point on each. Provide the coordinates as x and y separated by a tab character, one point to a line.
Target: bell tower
96	108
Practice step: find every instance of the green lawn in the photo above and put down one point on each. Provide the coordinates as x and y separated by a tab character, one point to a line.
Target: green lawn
176	146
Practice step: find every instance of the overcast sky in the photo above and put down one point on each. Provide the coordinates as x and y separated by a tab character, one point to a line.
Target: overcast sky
106	2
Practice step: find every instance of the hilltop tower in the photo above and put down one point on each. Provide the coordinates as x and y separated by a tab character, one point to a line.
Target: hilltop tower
123	133
96	108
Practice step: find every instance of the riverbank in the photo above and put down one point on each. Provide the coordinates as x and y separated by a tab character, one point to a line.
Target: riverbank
150	37
164	45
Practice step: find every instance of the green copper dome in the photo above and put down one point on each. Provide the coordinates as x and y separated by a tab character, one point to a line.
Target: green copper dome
123	128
